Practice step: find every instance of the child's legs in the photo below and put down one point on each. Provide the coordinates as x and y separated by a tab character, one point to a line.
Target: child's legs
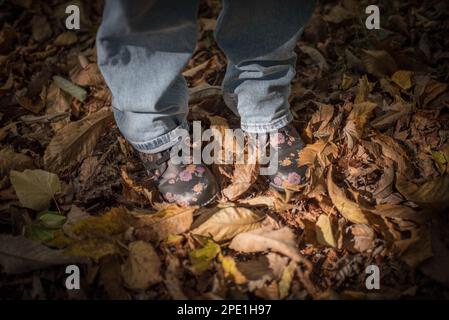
142	47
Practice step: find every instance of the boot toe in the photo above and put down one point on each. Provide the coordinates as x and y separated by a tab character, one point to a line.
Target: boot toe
189	185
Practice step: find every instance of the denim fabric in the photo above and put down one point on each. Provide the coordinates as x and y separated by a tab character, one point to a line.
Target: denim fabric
143	45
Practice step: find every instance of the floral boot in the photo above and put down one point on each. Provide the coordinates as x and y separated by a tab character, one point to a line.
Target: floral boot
289	175
191	184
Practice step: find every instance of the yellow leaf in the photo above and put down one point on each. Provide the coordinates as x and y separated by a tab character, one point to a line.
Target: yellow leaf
115	221
286	280
170	220
403	79
230	269
202	258
92	248
346	82
324	231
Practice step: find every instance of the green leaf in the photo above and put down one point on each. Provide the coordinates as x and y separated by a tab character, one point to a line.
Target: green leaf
52	220
39	233
71	88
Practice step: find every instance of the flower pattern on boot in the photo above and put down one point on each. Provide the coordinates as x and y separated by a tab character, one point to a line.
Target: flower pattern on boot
288	143
184	184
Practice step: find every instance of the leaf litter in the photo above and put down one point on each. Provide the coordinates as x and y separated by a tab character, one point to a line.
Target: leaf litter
372	109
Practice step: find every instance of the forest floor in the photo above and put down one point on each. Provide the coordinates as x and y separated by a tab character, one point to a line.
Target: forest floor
371	105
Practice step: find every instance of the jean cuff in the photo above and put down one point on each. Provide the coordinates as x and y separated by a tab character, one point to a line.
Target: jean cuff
267	127
162	142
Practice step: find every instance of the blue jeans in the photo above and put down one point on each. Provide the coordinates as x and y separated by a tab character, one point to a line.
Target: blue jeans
143	45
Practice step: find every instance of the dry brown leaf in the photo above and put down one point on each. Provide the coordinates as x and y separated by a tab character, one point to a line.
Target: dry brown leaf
348	208
229	222
74	216
243	177
432	193
356	121
277	264
110	278
171	278
325	231
40	28
320	151
359	238
10	160
66	39
316	56
282	241
403	78
379	62
338	14
143	266
169	220
364	87
88	75
76	141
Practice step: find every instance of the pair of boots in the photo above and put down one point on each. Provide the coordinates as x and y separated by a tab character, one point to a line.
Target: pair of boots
194	184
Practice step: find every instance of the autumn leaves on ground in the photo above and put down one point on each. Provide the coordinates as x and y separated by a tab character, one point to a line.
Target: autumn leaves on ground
372	107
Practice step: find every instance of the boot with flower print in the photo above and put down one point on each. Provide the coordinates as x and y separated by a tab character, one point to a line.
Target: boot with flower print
289	175
186	185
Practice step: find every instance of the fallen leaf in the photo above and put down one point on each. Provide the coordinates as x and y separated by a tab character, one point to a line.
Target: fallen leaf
113	222
74	216
230	269
348	208
66	39
403	78
277	264
94	248
40	28
71	88
170	220
433	193
359	238
286	279
110	277
316	56
282	241
379	62
325	231
338	14
229	222
10	160
318	153
201	258
356	121
7	38
243	177
19	254
76	140
173	272
143	266
35	188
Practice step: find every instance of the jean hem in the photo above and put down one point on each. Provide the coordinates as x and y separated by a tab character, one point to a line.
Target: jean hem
162	142
267	127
